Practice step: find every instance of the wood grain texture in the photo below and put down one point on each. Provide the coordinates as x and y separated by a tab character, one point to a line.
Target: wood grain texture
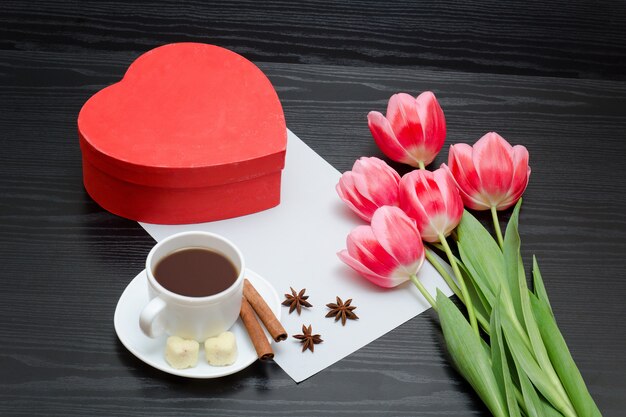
578	39
66	261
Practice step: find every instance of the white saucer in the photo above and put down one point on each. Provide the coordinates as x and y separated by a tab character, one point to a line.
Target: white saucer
152	351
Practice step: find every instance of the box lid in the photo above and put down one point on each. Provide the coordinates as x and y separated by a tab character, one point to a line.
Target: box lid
185	115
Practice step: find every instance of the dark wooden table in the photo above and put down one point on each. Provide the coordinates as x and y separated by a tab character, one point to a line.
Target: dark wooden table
545	75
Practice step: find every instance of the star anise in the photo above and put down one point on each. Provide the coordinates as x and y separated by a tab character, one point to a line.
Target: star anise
341	310
295	301
308	339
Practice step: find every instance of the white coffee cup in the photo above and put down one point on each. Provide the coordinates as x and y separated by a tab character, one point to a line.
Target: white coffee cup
191	317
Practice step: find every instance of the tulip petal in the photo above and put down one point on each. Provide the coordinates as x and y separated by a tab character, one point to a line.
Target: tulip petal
381	193
378	166
398	235
376	181
365	248
416	199
362	165
521	175
346	188
442	204
521	171
385	138
466	177
433	125
381	281
364	186
492	159
404	272
405	120
462	168
433	201
351	205
409	201
451	197
474	201
429	193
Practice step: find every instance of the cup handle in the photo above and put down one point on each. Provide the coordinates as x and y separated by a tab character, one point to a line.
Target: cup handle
149	314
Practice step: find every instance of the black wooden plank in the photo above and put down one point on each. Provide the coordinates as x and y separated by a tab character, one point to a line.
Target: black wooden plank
579	39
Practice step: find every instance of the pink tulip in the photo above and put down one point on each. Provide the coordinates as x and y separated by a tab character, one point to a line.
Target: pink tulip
388	252
413	131
492	173
432	199
371	184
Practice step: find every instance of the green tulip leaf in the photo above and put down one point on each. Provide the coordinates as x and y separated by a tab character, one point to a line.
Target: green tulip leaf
479	301
540	289
549	410
512	261
499	362
469	355
519	297
481	284
536	406
525	360
481	255
562	360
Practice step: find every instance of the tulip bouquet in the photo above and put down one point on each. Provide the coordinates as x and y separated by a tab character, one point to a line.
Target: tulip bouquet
509	348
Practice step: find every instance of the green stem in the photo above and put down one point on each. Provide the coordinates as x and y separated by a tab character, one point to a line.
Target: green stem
459	277
436	245
424	292
496	225
421	164
430	255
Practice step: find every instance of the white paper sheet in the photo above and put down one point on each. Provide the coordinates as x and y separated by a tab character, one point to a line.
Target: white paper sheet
295	244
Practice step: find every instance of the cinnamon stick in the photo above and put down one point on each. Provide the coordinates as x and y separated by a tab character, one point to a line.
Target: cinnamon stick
255	331
265	313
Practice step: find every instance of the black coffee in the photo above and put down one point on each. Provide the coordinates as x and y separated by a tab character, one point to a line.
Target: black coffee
195	272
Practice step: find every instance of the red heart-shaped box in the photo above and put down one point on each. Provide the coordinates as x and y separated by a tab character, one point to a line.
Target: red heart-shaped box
192	133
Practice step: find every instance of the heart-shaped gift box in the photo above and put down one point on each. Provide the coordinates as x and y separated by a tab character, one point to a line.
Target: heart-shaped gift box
192	133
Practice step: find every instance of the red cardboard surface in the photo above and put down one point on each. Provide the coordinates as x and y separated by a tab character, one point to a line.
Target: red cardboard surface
192	133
